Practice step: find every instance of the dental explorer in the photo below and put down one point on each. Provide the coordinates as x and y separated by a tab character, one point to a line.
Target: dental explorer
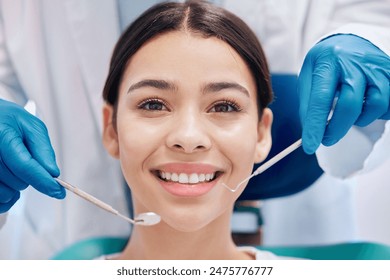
268	164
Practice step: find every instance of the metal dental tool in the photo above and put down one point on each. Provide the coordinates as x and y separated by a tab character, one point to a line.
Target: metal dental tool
143	219
268	164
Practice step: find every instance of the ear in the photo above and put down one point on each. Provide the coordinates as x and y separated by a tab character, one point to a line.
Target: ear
110	136
264	138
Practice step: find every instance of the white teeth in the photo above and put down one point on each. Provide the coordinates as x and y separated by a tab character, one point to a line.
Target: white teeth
184	178
174	177
194	178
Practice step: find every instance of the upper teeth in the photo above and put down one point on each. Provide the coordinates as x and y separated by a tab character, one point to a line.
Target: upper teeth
184	178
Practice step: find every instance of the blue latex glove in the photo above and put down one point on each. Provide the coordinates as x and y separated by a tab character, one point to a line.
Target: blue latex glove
358	73
26	156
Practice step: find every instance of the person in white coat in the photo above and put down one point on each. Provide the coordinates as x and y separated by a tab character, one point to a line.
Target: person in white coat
56	53
288	30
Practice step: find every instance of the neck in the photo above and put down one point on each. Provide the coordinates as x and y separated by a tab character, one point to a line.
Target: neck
161	241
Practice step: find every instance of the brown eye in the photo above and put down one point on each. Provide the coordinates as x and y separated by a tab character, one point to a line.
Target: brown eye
152	105
225	107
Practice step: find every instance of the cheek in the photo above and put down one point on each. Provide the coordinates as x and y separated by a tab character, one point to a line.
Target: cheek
137	141
239	142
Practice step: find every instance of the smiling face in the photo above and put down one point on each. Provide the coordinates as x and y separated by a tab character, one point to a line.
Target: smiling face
186	122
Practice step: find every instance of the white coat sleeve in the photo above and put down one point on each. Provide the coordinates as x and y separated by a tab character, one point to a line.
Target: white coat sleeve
363	148
10	88
3	218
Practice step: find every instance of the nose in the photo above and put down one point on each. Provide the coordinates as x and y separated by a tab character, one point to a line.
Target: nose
189	134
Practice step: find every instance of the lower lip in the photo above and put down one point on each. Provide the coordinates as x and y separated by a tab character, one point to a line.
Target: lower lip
186	190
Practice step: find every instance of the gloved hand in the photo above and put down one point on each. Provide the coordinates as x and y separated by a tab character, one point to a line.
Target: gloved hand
355	71
26	156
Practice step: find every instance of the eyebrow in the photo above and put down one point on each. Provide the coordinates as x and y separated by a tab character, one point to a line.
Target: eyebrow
208	88
218	86
158	84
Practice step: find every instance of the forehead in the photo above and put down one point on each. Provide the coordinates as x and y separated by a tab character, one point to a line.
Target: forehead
179	55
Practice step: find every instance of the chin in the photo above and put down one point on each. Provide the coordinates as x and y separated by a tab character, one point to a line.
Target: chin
191	220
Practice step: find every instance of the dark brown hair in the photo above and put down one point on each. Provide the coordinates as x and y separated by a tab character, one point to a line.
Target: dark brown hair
198	17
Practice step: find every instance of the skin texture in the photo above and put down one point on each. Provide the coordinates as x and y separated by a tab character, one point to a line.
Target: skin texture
169	118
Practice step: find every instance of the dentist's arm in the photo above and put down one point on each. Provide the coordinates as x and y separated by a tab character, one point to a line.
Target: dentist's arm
26	156
351	68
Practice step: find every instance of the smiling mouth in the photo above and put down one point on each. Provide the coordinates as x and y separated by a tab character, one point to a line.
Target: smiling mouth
185	178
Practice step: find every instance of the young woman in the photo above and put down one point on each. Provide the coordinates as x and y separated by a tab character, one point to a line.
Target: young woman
186	110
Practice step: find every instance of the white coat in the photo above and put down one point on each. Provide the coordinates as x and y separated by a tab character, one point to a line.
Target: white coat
56	53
